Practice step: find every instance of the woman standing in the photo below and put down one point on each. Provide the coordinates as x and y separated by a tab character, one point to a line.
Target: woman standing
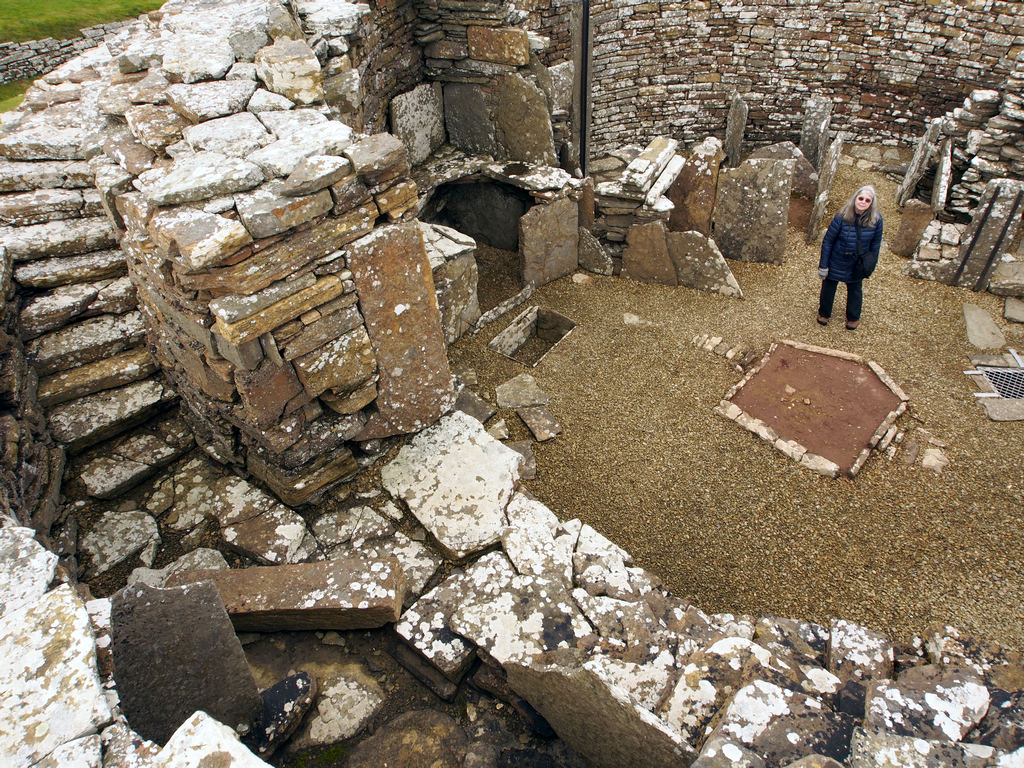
849	253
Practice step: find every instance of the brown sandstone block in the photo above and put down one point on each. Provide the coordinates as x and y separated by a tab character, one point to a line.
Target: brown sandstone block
337	594
295	488
280	312
499	45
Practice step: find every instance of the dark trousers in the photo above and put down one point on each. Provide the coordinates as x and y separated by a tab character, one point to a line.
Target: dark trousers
854	298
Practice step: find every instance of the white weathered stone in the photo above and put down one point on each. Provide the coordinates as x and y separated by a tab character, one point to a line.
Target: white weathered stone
265	101
201	739
457	480
198	177
118	536
27	569
49	686
205	101
417	118
235	135
536	543
857	652
193	57
281	157
426	625
347	702
331	19
198	559
290	68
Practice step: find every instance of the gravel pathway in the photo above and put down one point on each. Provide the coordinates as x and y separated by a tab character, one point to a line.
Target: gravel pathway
728	521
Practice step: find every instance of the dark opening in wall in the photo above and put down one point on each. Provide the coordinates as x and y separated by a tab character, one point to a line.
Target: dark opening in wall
489	212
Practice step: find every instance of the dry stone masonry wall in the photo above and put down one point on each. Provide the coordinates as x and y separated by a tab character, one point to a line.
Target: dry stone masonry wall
669	68
21	61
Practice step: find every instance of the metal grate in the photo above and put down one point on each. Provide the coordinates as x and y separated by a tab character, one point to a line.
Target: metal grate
1008	382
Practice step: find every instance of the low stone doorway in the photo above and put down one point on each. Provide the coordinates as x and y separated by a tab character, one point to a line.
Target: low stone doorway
489	212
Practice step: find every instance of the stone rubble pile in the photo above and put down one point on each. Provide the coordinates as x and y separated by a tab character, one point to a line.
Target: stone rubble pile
568	630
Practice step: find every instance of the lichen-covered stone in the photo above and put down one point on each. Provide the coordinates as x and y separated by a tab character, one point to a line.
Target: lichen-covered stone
27	572
417	118
457	480
199	177
751	210
49	685
290	68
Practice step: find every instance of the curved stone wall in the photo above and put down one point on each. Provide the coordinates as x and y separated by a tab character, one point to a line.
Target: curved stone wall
667	68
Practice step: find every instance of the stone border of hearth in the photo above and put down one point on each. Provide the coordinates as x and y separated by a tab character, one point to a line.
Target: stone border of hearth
793	449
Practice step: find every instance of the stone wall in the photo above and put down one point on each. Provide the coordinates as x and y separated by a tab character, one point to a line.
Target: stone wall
390	60
666	68
31	58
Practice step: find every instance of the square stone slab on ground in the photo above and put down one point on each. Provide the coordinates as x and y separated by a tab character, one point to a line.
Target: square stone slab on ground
790	399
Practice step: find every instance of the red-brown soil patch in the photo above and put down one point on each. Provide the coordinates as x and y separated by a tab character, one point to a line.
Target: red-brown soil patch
829	405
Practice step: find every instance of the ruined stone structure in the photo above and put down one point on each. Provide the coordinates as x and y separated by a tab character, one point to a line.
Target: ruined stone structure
211	239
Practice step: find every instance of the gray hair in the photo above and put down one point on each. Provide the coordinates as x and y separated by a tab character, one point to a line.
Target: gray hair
871	215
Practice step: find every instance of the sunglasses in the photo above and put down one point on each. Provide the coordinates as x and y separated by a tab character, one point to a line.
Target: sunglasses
863	199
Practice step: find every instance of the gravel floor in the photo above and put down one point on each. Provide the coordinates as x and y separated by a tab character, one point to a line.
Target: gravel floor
728	521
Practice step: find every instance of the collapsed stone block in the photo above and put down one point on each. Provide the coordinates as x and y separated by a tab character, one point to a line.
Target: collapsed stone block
340	594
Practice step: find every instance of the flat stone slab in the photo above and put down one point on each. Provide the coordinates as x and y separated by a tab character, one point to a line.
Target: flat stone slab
82	423
27	569
520	391
85	342
540	421
118	536
176	652
351	593
1013	309
205	101
48	680
59	238
457	480
418	561
135	458
545	619
65	270
471	403
198	177
198	559
982	331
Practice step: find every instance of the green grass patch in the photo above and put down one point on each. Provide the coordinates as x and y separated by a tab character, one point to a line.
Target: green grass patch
11	94
33	20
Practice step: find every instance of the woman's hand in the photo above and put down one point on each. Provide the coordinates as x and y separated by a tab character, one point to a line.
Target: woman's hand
822	272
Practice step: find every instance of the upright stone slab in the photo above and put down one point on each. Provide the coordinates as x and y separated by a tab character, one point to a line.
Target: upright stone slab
593	257
694	190
176	652
805	176
599	720
417	118
996	224
522	121
467	119
699	264
49	689
646	256
825	177
735	125
943	176
752	209
549	241
814	130
457	480
396	295
919	163
917	215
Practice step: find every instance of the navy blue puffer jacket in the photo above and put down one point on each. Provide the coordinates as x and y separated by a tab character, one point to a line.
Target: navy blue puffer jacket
839	248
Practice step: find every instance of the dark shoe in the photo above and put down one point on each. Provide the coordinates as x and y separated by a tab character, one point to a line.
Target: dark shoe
851	325
822	320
